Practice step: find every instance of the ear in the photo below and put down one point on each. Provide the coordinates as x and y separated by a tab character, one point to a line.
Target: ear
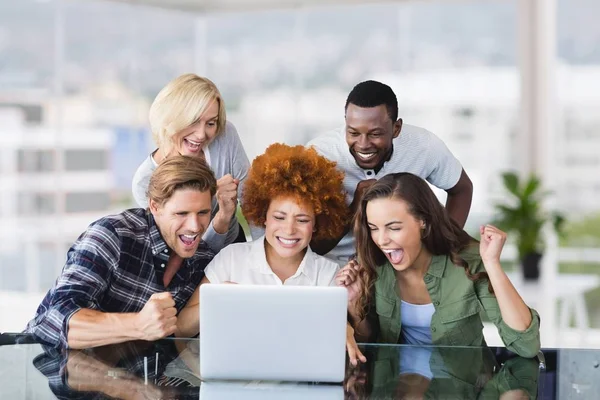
397	128
153	206
425	230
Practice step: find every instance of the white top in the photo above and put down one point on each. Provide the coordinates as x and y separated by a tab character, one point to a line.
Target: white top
416	150
416	323
225	155
246	264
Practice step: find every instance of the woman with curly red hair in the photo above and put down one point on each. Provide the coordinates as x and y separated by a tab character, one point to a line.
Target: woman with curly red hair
296	194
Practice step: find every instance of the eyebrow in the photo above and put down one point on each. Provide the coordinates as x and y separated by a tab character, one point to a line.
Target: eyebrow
369	131
189	211
297	215
388	224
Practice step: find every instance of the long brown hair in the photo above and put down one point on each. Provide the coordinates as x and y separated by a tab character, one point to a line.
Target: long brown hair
441	235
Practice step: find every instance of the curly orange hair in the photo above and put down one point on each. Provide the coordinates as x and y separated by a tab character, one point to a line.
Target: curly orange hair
303	174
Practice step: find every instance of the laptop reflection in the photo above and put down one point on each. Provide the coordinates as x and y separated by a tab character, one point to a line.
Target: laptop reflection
255	390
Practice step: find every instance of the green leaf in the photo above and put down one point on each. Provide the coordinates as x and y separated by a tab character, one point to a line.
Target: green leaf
532	186
558	221
511	182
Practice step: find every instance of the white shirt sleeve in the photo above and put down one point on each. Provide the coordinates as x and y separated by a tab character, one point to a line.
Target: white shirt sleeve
332	281
446	168
219	269
327	272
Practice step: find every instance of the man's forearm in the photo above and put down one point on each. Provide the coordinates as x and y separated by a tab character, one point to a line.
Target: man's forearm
458	207
90	328
323	247
458	203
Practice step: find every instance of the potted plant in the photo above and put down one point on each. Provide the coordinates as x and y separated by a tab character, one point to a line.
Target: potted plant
524	217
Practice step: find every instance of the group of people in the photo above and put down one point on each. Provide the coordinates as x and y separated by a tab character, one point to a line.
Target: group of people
352	208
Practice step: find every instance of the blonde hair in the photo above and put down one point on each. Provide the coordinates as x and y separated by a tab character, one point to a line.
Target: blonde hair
180	104
180	172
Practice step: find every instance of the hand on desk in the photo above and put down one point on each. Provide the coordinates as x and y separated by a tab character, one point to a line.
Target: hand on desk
354	353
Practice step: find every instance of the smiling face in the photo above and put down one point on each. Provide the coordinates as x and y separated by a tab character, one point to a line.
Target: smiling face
369	134
192	140
395	231
182	220
289	228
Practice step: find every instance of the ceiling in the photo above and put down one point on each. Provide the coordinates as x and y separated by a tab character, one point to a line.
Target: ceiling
204	6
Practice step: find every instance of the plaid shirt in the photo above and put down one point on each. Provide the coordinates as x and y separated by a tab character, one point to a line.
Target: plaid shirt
114	267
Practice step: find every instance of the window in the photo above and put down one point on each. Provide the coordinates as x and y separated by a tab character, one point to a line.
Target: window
86	160
30	204
35	160
87	202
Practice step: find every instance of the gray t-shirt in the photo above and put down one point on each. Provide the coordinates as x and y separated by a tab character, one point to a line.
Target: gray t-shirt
416	150
225	155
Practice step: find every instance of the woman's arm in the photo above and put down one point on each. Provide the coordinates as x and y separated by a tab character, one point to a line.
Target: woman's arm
188	320
517	324
515	312
513	309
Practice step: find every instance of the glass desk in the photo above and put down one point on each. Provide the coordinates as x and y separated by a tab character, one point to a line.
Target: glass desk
169	369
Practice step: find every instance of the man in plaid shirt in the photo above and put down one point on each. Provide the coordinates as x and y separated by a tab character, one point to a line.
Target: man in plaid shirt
128	275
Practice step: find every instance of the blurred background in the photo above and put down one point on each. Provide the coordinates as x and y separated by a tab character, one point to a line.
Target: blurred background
504	93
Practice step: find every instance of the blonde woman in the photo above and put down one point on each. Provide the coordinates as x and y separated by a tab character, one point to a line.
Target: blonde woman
187	117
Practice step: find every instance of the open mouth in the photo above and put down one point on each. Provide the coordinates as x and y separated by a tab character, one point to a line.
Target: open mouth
189	241
366	156
394	255
287	242
192	145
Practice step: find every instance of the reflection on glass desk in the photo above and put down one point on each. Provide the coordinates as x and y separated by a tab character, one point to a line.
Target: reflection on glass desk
169	369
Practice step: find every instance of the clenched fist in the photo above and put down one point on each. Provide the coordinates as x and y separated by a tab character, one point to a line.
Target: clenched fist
227	195
158	318
492	242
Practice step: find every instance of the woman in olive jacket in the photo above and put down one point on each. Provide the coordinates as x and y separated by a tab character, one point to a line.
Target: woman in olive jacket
420	279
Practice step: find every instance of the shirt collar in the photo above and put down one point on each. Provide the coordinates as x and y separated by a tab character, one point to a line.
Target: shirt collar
438	266
387	277
157	244
258	251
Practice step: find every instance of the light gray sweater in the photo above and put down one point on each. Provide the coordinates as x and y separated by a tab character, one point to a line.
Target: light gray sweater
226	155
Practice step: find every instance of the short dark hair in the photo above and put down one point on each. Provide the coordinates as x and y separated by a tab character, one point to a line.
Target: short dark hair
369	94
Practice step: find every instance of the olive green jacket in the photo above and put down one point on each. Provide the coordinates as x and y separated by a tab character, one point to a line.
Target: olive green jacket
458	302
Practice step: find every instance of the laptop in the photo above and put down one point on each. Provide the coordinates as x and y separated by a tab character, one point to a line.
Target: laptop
273	333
